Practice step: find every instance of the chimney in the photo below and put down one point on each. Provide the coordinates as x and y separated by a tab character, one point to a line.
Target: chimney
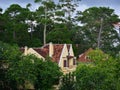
51	49
26	48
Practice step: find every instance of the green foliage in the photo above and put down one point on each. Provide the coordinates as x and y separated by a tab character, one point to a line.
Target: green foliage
36	1
47	74
15	29
23	70
90	77
118	66
118	71
18	71
2	22
98	56
68	82
61	28
97	75
92	24
59	36
7	52
41	74
14	25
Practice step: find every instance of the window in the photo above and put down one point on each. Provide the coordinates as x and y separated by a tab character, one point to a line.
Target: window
74	62
65	63
87	57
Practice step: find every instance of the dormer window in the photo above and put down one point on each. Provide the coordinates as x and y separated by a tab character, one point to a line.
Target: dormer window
65	63
74	62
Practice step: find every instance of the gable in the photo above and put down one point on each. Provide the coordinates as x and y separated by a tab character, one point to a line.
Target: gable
84	56
71	50
64	55
32	51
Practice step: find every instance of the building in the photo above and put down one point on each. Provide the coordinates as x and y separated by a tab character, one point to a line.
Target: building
84	56
62	54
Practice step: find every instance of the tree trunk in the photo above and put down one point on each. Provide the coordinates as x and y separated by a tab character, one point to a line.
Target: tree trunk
45	26
100	31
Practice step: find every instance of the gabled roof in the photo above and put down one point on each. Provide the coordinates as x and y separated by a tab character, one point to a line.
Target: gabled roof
58	48
44	51
83	56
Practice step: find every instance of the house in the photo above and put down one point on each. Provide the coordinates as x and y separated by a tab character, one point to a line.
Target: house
62	54
84	56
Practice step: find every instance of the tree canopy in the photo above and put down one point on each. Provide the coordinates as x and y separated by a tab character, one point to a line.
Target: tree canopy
98	28
26	72
100	73
58	23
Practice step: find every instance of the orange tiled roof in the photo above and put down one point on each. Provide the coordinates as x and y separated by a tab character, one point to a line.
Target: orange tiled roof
83	57
57	52
44	51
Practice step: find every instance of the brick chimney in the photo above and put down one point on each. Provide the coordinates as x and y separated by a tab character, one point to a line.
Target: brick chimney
51	49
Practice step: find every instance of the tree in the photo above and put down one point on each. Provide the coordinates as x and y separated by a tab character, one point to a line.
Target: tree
45	12
34	71
97	27
2	24
0	10
68	82
18	68
68	7
7	52
89	78
59	36
99	74
16	26
118	71
47	74
22	71
13	13
25	72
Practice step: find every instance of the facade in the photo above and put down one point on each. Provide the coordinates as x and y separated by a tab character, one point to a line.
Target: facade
62	54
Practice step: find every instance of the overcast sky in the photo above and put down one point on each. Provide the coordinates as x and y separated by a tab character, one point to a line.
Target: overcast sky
84	4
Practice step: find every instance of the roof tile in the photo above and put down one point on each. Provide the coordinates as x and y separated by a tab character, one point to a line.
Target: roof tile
57	52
